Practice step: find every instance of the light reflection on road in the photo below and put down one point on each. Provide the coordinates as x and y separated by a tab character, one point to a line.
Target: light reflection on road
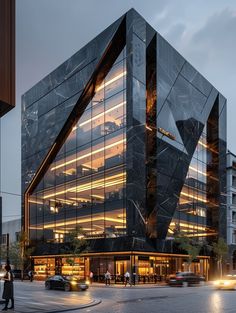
215	302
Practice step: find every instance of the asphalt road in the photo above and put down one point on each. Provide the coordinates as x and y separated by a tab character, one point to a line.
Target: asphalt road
32	297
164	300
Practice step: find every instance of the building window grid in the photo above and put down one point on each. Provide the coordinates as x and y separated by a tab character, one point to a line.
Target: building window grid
196	192
55	190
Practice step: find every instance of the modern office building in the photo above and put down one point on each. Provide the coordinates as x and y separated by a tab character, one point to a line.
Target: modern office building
127	141
231	208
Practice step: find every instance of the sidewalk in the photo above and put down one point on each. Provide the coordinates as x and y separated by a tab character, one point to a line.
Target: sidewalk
33	298
121	286
36	307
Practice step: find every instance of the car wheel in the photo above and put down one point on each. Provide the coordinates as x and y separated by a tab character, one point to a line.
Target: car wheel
67	287
48	285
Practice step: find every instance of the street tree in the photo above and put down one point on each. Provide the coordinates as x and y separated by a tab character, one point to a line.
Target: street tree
18	253
77	244
220	249
190	245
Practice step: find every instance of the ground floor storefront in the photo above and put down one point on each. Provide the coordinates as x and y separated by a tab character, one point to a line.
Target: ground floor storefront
143	267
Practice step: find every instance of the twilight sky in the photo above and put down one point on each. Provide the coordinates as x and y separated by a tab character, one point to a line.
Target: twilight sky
49	31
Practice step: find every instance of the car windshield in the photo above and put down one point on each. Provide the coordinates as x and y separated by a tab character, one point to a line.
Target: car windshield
70	278
184	274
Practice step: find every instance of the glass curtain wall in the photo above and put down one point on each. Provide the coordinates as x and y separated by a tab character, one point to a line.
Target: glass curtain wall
85	184
190	216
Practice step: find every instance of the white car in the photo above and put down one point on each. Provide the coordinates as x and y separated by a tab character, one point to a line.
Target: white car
226	282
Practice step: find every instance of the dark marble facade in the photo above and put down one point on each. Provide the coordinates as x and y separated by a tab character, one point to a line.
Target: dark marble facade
182	102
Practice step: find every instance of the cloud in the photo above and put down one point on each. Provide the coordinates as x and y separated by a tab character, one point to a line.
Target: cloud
175	33
212	50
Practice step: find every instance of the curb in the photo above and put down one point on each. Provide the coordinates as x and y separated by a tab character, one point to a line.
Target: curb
136	287
83	306
90	304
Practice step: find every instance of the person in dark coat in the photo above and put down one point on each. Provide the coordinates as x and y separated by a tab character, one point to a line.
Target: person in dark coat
8	288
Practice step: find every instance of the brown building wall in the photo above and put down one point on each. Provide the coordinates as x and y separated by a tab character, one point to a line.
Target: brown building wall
7	55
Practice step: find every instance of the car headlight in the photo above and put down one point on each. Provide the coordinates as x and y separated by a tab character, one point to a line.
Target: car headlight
73	283
226	283
87	282
216	283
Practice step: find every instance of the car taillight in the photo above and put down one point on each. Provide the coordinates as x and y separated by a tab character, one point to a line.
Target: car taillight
179	277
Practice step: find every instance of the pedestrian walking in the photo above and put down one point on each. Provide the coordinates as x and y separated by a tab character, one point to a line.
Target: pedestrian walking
134	278
31	275
127	279
91	277
8	293
107	278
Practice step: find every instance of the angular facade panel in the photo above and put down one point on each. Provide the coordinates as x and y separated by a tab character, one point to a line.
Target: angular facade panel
128	145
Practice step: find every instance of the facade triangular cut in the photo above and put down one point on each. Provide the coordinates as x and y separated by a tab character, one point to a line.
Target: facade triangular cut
84	185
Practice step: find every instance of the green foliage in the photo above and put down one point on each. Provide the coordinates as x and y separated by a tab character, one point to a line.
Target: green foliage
77	242
220	248
70	261
190	245
19	252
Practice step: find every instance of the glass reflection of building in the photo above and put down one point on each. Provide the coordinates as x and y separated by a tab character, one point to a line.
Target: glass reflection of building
127	141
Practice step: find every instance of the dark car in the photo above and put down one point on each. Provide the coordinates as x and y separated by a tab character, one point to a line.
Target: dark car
66	283
185	279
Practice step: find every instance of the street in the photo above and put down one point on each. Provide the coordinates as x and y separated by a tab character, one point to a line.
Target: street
32	297
164	300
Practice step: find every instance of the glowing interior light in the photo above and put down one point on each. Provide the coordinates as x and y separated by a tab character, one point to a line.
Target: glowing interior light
109	181
99	115
197	171
202	144
191	226
193	197
84	220
88	154
111	81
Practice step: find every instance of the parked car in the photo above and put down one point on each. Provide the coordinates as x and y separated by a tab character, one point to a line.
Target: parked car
66	283
185	279
227	282
17	274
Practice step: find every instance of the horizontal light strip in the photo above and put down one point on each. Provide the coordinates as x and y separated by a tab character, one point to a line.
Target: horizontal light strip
197	171
111	81
84	220
191	226
193	197
202	235
202	144
97	196
100	115
35	201
89	154
206	146
89	185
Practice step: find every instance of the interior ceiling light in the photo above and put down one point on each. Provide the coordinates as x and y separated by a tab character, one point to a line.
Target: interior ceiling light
88	154
107	83
99	115
108	181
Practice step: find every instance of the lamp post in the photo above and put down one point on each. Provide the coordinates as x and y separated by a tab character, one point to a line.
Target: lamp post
8	261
